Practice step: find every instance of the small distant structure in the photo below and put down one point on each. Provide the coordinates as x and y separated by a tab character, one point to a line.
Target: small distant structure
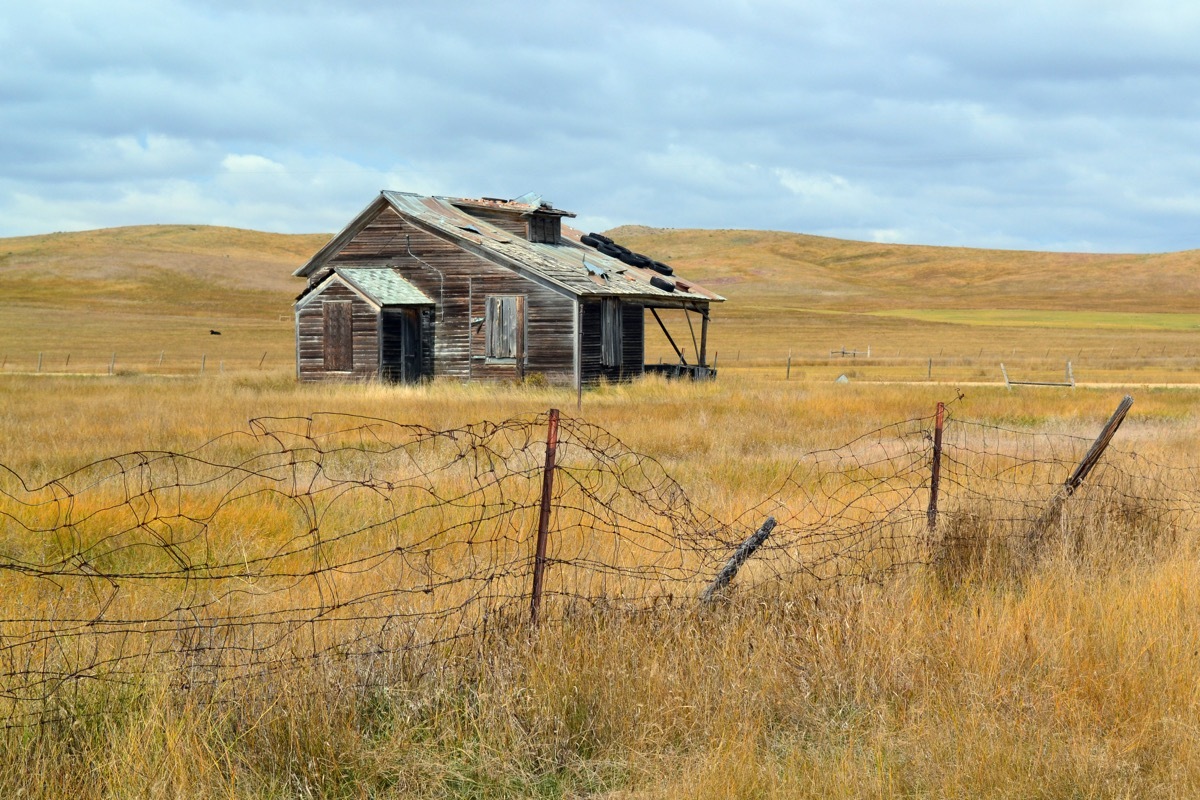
1068	383
417	287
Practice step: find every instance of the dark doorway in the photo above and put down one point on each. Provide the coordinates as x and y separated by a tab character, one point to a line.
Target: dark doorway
402	354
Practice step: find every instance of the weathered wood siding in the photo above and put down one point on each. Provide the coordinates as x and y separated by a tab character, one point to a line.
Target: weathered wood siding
459	282
633	343
504	220
310	336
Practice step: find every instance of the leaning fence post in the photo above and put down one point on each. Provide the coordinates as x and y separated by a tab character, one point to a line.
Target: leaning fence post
744	551
539	561
936	472
1054	510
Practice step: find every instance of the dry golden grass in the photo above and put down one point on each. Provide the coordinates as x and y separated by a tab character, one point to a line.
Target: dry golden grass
1078	679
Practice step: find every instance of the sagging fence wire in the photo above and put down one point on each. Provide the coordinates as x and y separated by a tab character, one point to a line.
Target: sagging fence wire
376	549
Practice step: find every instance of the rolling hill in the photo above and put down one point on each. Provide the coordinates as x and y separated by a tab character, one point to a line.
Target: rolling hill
157	291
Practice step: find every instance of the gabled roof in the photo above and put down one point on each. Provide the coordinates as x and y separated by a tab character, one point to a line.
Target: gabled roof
570	266
381	285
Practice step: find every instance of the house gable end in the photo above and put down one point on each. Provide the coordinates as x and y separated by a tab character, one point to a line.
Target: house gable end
347	234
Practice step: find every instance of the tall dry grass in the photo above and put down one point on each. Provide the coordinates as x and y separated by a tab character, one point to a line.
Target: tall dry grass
968	679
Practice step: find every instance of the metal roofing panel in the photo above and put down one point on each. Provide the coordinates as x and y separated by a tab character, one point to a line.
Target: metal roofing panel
562	264
384	285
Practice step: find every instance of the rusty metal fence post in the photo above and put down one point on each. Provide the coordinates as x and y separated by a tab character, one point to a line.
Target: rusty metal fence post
539	561
936	474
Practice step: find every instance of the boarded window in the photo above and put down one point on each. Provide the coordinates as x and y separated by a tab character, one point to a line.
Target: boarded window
339	335
610	333
504	321
544	228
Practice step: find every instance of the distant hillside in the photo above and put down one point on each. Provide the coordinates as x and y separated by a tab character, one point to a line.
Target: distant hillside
151	264
861	276
162	289
172	265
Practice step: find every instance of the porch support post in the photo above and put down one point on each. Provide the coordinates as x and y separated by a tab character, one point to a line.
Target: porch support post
704	337
687	313
667	333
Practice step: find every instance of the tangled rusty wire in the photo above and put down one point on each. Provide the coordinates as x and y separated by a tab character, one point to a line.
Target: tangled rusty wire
379	549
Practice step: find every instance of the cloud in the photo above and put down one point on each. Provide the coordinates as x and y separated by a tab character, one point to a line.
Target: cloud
1036	125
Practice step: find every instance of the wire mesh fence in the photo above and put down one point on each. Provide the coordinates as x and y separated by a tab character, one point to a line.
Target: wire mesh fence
376	550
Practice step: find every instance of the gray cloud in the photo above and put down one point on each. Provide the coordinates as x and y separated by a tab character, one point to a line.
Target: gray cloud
1054	126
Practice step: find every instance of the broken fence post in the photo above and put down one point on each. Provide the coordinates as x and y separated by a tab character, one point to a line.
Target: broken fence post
744	551
1054	510
543	532
935	475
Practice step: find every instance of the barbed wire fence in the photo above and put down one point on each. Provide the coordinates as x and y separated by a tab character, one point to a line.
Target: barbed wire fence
379	551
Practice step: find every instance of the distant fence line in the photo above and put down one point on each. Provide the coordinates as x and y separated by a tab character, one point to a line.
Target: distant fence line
925	365
375	549
117	362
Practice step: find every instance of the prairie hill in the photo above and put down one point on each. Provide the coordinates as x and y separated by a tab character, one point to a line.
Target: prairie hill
835	274
175	267
162	288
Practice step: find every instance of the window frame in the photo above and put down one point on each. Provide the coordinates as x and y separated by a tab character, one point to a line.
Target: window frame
504	328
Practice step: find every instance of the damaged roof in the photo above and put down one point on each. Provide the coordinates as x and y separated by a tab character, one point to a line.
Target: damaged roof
570	265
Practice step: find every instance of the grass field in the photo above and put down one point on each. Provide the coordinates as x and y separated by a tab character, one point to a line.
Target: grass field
1078	679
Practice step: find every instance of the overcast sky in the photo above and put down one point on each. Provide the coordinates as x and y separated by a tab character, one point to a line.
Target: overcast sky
1056	125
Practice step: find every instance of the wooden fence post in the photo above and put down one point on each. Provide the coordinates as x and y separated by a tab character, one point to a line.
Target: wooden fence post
744	551
539	561
936	472
1053	512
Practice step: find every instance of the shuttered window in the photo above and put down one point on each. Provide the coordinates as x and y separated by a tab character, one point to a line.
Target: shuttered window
504	321
610	333
544	228
339	335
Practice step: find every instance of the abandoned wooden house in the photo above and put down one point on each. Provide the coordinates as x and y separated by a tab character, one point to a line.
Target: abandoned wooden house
418	287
